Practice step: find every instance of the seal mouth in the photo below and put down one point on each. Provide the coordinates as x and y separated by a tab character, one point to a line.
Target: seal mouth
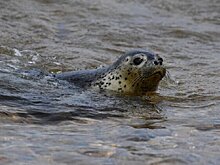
158	73
151	81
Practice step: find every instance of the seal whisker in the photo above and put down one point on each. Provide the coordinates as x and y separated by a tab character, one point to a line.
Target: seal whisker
137	79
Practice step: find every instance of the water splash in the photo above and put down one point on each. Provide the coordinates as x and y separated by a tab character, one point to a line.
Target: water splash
169	81
13	59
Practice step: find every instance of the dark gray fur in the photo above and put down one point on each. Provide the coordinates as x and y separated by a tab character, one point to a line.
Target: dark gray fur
83	77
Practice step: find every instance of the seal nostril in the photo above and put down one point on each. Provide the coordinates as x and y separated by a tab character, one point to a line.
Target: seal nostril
156	63
160	59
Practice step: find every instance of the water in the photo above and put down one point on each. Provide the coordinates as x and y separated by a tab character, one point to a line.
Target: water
44	121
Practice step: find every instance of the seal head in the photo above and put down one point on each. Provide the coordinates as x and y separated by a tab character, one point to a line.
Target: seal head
136	72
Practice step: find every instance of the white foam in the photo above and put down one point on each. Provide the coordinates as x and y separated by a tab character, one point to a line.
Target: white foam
17	52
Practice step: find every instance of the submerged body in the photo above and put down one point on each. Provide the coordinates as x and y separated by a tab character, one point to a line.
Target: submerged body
135	72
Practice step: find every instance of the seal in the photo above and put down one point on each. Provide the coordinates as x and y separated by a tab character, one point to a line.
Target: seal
135	72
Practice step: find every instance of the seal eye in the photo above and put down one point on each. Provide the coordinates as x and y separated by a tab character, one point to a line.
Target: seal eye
137	61
127	59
